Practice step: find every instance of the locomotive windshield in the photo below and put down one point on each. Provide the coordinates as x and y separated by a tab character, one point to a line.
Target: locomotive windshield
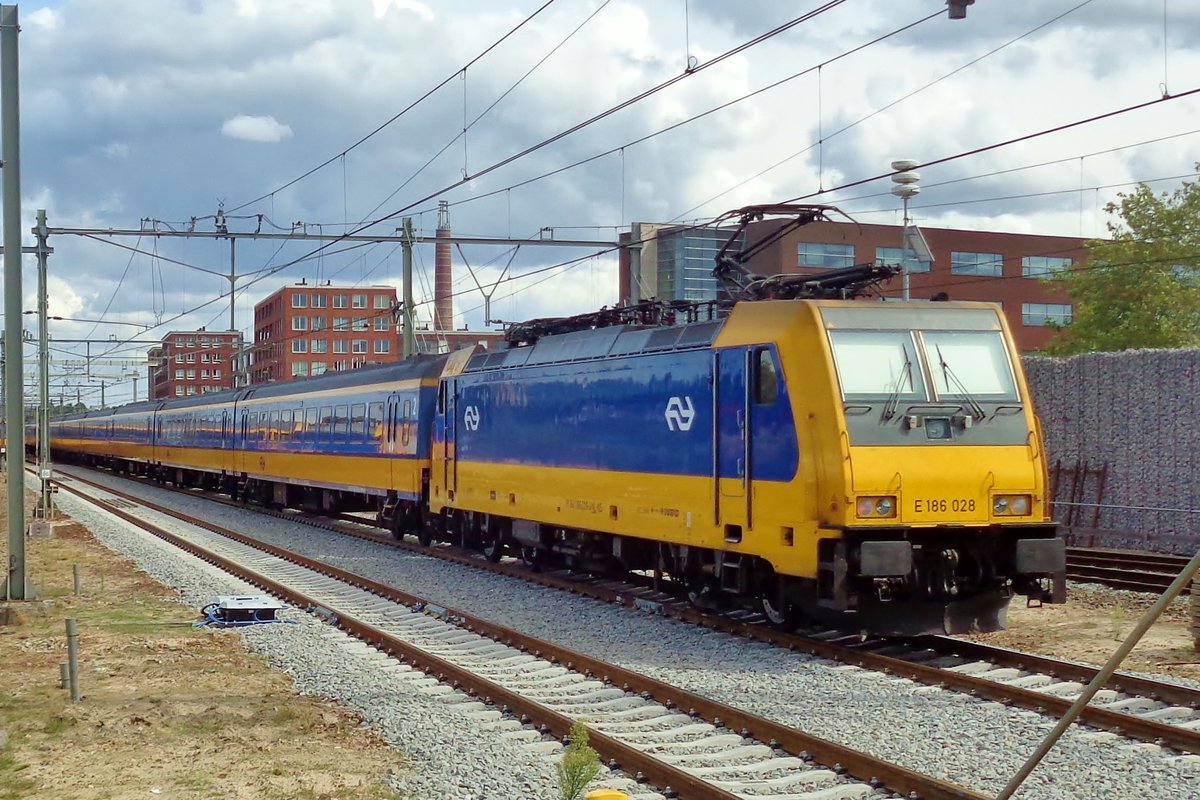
875	364
973	363
923	365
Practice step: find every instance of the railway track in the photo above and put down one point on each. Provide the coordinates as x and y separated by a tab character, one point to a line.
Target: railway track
679	741
1144	709
1124	569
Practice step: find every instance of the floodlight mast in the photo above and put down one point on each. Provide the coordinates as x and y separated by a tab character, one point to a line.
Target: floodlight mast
906	187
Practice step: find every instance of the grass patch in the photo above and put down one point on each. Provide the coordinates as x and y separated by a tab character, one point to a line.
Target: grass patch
56	725
304	718
195	782
13	786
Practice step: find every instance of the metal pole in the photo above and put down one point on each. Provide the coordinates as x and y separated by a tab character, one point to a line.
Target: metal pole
408	295
10	132
73	658
1102	676
904	260
232	282
635	263
44	468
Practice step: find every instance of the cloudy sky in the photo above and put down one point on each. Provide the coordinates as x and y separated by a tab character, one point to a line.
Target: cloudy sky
140	114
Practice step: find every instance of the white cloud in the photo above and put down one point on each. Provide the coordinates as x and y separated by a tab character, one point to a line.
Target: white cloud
420	9
115	150
255	129
44	18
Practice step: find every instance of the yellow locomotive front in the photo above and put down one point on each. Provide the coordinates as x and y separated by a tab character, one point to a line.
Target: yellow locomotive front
933	508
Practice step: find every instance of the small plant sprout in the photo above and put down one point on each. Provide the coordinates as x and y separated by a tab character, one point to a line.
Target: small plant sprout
580	763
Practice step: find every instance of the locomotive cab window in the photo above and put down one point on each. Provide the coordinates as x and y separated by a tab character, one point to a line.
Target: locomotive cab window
969	364
766	378
875	365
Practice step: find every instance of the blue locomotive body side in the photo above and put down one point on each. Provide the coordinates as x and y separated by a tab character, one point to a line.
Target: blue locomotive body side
649	413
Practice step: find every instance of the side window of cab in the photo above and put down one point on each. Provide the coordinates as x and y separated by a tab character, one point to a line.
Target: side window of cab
766	378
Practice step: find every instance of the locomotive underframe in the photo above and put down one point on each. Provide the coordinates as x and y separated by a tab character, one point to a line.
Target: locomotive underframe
911	581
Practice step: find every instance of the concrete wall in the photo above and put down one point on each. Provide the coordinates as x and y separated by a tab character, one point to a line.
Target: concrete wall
1139	413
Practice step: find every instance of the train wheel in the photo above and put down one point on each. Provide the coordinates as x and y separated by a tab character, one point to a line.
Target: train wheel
492	537
704	594
426	527
780	612
531	557
396	523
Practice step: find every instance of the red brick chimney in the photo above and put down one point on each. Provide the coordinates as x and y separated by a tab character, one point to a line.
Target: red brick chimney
443	274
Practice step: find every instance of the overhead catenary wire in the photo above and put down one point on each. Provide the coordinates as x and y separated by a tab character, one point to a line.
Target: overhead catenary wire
892	104
830	4
400	113
469	125
715	109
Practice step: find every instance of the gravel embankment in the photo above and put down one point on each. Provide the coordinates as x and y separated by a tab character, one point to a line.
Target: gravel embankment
452	755
974	743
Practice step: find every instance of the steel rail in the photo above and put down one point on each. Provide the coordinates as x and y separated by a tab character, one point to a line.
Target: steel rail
673	780
1124	569
1175	736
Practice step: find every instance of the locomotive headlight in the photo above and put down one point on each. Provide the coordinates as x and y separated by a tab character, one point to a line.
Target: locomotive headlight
875	507
1011	505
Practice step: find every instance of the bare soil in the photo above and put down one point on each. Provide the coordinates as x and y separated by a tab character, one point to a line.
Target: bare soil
167	710
1094	621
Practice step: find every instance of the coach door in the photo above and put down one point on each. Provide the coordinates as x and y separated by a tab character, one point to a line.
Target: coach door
391	437
226	441
731	450
446	428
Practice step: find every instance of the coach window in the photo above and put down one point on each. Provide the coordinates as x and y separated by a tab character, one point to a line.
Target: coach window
273	427
310	424
327	423
766	378
285	425
375	423
358	422
341	423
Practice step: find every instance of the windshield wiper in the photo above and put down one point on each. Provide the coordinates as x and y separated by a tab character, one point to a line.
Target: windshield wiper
948	374
893	399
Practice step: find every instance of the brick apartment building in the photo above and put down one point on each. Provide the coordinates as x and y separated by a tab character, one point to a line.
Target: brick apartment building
304	330
193	362
1005	268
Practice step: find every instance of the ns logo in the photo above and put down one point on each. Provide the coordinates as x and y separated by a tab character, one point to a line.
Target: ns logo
471	418
679	414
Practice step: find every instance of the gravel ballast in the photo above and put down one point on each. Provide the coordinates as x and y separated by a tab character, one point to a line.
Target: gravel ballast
946	734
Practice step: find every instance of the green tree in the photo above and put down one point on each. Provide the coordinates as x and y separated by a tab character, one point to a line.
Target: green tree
1141	288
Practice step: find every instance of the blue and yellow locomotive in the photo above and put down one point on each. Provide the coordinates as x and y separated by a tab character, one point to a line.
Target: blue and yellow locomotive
875	466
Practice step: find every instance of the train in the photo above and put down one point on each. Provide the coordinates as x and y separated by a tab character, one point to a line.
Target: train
873	466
